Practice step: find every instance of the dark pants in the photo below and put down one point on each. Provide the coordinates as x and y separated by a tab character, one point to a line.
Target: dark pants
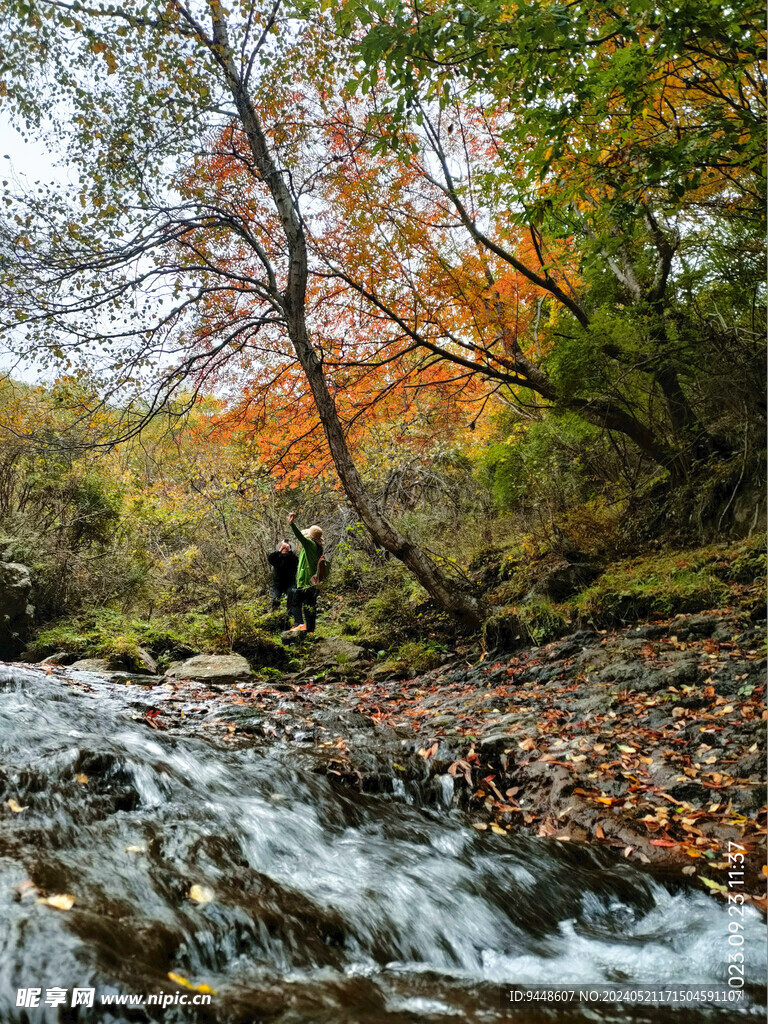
278	593
302	606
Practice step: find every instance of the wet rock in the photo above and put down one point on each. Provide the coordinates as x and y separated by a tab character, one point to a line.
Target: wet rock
573	646
624	674
16	614
685	673
650	631
689	626
213	669
332	650
100	665
134	678
749	798
496	743
290	636
146	661
59	658
386	670
689	791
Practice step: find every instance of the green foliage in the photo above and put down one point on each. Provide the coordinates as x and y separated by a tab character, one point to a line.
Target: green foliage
543	621
106	633
555	459
387	617
421	655
249	638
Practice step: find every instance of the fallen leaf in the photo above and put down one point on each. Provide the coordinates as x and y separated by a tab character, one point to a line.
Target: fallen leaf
15	807
63	901
498	830
527	744
710	884
201	894
479	825
181	980
82	779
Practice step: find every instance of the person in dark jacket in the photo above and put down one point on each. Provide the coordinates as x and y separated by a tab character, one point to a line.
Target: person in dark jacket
284	564
302	599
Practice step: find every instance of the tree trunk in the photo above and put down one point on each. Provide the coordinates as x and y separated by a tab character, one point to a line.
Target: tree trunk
466	606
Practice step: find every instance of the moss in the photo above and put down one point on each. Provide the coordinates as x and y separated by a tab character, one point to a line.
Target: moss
387	617
504	631
61	638
420	655
273	621
671	583
122	652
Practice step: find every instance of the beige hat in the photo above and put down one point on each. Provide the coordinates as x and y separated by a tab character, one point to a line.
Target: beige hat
314	533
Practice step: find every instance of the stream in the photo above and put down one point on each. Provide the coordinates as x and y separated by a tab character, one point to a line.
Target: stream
298	902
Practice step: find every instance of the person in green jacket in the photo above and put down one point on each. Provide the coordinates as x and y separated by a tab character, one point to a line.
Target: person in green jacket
302	599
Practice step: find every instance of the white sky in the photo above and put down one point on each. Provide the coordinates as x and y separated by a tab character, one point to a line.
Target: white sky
30	161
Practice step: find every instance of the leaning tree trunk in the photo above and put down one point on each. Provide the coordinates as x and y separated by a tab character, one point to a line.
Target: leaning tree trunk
444	591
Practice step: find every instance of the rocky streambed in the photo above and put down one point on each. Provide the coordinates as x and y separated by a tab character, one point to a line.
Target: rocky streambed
648	741
343	845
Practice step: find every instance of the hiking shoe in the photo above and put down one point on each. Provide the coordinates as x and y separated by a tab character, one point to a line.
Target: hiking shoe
296	629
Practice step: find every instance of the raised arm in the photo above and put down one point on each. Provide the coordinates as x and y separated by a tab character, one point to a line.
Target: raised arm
309	545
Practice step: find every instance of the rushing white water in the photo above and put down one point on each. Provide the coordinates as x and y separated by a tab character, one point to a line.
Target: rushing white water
319	905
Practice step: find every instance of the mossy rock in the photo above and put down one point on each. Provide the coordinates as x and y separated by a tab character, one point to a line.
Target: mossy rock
505	631
419	655
544	621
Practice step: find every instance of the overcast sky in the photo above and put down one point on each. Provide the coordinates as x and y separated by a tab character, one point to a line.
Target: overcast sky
29	161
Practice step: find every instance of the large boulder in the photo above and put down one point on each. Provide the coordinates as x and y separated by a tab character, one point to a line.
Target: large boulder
332	650
16	614
213	669
101	665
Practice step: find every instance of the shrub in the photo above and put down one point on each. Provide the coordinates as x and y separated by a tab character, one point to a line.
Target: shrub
254	643
388	616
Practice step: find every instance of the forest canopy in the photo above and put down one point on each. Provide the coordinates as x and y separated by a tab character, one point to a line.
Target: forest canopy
378	239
